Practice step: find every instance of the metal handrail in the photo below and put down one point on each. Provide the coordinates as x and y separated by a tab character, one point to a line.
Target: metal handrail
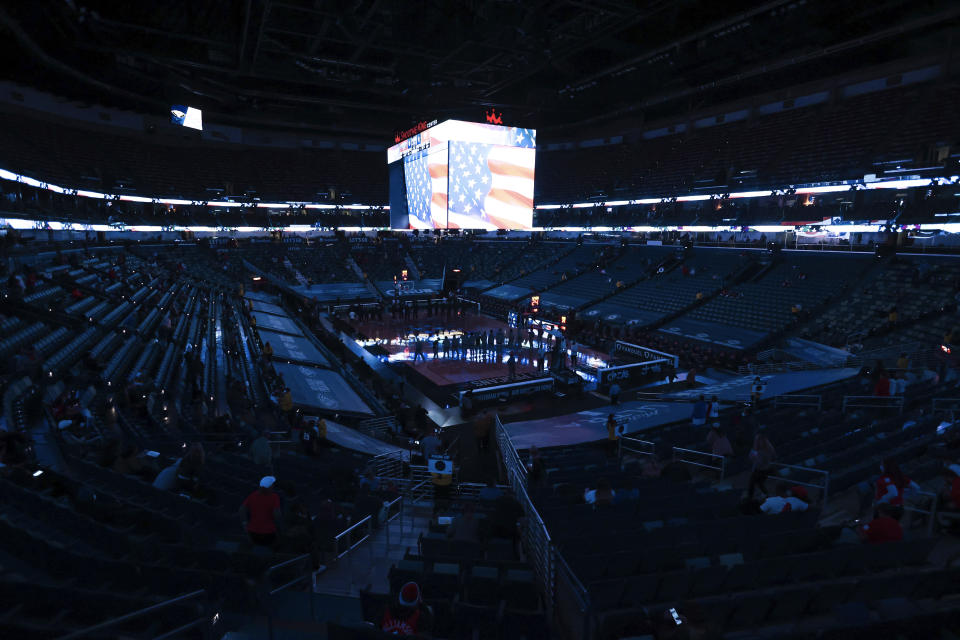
138	613
634	445
932	512
798	400
367	520
287	563
723	461
873	402
824	488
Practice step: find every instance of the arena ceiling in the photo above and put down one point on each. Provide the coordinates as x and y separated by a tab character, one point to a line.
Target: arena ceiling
371	67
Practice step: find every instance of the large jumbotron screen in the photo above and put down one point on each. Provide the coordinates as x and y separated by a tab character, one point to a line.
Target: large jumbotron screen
463	175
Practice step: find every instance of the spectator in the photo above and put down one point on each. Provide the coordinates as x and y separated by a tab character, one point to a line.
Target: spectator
408	616
286	404
512	367
309	441
442	479
787	499
267	351
718	442
603	495
611	442
260	451
903	362
699	415
883	528
535	468
614	393
761	456
713	409
892	485
481	432
430	445
262	511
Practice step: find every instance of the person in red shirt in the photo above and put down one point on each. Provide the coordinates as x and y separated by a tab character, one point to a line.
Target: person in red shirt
892	484
262	510
883	528
409	616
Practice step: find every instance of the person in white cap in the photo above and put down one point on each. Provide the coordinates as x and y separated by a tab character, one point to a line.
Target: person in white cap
262	511
409	616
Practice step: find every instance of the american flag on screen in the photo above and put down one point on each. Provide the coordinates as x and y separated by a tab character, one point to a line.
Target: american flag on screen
491	186
426	178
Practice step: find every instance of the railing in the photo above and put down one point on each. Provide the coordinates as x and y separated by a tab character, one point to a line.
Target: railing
929	509
302	575
347	539
388	465
648	396
701	459
778	367
798	401
146	611
821	480
379	428
471	490
572	600
534	532
873	402
626	444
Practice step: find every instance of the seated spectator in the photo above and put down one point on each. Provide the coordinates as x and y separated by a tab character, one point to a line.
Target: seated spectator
892	485
883	528
718	442
262	512
603	495
408	616
787	499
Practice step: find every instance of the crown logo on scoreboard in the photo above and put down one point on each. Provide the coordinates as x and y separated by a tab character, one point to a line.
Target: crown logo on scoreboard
493	117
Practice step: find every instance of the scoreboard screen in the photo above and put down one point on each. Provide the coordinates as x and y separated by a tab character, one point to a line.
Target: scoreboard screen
463	175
